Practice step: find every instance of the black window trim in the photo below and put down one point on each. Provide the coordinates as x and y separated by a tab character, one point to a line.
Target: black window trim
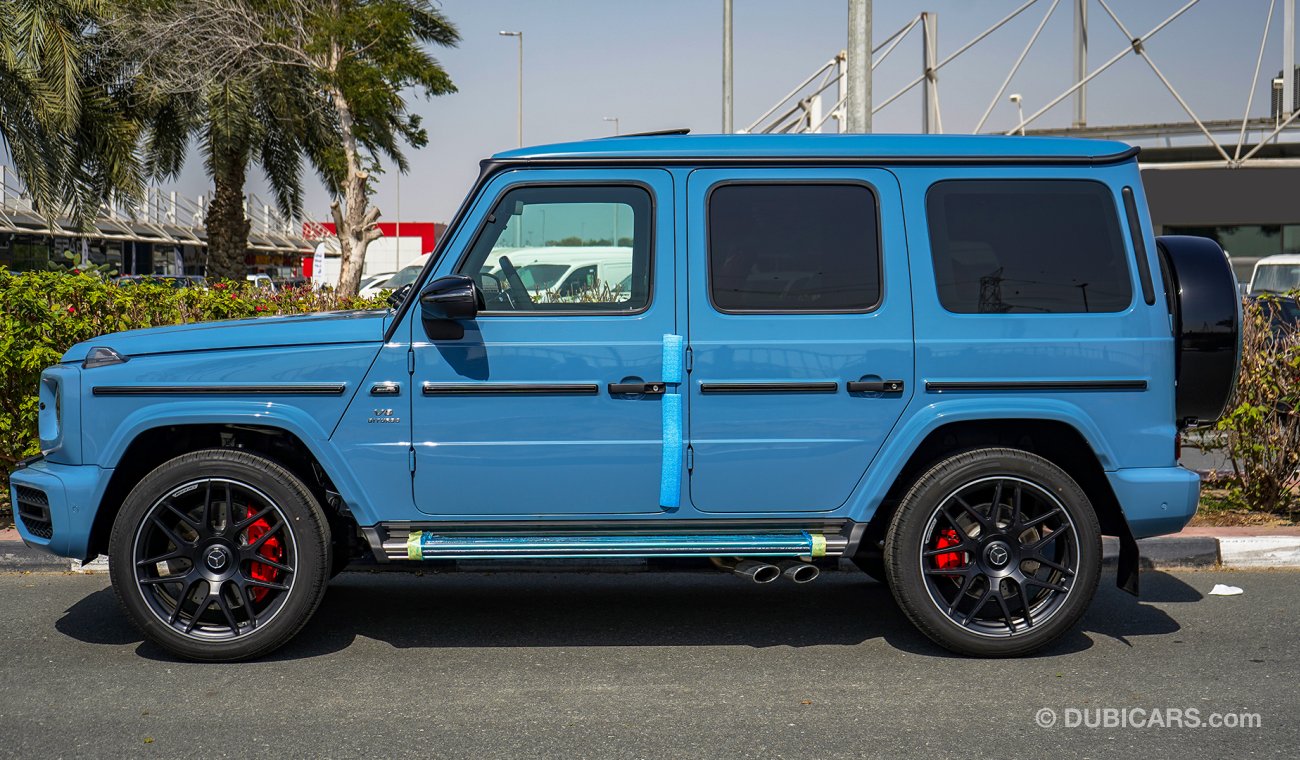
576	183
934	273
844	181
1139	245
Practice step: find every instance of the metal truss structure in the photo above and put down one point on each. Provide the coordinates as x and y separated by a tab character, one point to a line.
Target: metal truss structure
1232	143
162	218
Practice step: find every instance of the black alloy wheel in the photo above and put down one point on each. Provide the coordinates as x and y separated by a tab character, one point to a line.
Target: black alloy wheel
994	552
215	558
1003	556
220	555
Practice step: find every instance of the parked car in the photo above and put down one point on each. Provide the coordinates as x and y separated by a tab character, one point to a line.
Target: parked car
957	361
402	277
1276	274
368	284
175	281
261	281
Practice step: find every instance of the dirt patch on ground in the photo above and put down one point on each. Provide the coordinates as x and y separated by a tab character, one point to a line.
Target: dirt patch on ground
1216	511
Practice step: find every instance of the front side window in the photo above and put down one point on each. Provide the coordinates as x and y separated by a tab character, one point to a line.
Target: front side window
1027	247
793	248
565	249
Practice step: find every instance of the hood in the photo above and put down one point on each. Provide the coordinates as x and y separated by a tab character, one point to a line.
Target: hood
258	332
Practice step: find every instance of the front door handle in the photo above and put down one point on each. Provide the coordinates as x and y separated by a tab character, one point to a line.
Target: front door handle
637	389
875	386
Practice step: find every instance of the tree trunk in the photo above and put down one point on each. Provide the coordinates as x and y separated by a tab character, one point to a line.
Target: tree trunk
354	218
226	222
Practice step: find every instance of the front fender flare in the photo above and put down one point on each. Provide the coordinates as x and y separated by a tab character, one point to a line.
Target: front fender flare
281	416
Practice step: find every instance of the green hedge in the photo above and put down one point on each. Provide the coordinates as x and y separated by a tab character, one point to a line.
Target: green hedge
42	314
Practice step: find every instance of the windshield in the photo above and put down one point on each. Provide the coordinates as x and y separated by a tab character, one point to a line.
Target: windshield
404	276
1275	278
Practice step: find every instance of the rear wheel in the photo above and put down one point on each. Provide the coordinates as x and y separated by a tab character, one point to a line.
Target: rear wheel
994	553
220	555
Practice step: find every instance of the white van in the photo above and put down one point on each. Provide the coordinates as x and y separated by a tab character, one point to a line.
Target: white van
1276	274
562	273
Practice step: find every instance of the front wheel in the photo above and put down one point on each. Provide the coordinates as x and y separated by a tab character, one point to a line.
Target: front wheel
220	555
994	553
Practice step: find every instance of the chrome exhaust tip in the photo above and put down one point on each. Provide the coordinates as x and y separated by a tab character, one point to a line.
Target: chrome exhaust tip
799	572
758	572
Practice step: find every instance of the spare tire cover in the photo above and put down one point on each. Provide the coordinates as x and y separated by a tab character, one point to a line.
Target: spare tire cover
1206	310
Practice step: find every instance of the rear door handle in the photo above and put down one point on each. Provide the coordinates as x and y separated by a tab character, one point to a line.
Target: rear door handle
637	389
875	386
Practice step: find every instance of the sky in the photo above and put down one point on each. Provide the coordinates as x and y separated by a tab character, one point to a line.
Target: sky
657	65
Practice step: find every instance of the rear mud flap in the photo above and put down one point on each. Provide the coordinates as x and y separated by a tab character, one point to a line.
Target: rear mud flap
1126	571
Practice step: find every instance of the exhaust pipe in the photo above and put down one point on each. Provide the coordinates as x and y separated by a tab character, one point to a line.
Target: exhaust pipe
799	572
758	572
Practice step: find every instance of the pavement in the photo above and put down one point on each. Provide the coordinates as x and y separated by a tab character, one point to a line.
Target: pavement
680	665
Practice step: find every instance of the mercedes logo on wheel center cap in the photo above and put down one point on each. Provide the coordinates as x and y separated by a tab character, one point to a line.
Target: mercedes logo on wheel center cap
997	554
216	559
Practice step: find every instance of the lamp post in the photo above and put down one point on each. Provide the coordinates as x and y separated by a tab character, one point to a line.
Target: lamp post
520	37
613	119
1020	111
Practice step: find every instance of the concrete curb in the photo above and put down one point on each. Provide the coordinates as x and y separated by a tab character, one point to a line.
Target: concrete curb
1166	552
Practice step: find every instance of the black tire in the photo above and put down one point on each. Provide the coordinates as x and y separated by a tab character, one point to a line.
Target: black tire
994	581
237	527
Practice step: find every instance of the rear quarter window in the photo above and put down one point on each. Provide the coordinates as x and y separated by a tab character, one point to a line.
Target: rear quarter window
1027	247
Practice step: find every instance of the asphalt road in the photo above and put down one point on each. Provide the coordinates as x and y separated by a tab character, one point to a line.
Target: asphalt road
655	666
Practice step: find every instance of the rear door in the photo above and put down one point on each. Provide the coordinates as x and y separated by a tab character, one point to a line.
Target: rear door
800	329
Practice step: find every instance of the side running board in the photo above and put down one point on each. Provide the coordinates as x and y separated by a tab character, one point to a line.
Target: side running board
430	545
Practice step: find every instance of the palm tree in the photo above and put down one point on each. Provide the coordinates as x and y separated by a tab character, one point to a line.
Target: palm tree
66	119
236	123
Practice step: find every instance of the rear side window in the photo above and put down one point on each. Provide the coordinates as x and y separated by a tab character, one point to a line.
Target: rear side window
1027	247
793	248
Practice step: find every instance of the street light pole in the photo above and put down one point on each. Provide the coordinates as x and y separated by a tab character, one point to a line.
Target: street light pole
520	37
397	242
613	119
727	70
858	67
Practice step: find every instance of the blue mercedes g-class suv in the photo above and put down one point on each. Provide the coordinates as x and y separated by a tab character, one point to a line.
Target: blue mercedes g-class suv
956	361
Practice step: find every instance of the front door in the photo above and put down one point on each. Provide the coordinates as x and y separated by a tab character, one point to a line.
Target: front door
517	416
801	333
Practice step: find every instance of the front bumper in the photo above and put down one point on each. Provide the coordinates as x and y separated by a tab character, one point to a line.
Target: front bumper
1156	500
70	496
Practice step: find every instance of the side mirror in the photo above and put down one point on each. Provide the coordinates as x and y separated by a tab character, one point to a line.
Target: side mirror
453	297
396	298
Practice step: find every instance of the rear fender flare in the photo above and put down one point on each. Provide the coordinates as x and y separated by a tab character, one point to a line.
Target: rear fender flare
923	420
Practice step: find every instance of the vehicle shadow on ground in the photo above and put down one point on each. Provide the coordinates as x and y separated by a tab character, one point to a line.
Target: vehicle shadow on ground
635	609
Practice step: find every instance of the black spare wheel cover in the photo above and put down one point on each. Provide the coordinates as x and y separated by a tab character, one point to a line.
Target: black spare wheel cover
1206	311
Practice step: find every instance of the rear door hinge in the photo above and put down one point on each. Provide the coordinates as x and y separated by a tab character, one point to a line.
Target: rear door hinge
410	361
690	459
411	458
690	358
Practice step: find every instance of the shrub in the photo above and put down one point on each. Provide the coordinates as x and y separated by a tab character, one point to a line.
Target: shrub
42	314
1261	430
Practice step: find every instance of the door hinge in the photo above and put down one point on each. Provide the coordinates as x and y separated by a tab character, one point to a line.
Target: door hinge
411	458
690	356
690	459
410	361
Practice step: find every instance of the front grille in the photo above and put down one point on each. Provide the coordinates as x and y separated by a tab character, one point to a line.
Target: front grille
33	508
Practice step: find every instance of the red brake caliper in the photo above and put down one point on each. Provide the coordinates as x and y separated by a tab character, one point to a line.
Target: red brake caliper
951	560
272	550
